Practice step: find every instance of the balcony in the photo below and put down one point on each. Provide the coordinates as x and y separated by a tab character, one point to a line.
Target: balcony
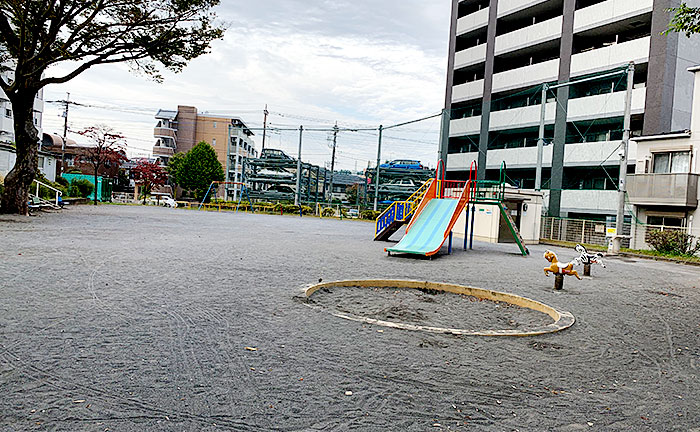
526	76
575	155
609	12
163	151
679	190
544	31
507	7
468	91
603	59
473	21
470	56
161	132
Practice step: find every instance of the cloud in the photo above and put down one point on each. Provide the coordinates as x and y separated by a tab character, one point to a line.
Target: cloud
359	63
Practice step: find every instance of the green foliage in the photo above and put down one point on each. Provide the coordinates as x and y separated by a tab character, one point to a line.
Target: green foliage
198	169
174	165
673	243
685	20
292	209
351	192
369	214
80	188
328	212
62	181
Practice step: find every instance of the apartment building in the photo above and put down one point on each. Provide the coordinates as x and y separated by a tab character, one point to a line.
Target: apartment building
179	131
7	128
502	51
664	189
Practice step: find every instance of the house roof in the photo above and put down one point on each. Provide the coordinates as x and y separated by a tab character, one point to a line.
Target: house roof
667	135
346	179
166	114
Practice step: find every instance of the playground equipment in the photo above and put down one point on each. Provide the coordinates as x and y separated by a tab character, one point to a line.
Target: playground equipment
587	259
244	190
433	210
560	269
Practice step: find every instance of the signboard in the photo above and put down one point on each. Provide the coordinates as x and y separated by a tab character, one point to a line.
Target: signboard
610	232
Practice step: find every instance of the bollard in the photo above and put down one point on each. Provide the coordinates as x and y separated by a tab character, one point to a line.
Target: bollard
587	270
558	282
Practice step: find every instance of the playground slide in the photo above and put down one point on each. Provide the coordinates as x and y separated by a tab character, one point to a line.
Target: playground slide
430	229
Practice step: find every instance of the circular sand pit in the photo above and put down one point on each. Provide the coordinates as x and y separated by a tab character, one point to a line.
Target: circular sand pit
436	307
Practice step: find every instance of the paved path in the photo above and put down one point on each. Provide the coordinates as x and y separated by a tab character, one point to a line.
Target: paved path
138	319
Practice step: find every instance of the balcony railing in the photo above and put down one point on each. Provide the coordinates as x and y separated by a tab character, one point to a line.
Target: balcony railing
163	151
161	132
663	189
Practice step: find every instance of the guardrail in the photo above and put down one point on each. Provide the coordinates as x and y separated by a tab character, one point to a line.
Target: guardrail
40	184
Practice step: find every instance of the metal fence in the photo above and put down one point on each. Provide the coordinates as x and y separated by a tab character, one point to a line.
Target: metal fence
594	232
577	231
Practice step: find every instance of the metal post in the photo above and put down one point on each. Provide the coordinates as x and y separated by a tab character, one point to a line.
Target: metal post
444	136
466	226
540	139
471	228
264	127
558	282
227	176
308	183
335	140
318	174
65	135
379	157
622	189
235	171
449	245
297	197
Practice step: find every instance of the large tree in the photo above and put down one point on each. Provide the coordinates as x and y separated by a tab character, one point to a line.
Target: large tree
107	150
38	34
199	169
148	175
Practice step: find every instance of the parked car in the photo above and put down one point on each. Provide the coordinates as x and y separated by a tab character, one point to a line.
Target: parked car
164	200
403	164
275	154
353	213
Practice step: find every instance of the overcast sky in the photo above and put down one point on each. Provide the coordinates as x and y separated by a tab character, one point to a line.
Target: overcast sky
361	63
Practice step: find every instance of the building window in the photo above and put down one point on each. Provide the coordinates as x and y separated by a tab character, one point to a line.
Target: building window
669	221
671	162
8	113
214	125
40	161
213	142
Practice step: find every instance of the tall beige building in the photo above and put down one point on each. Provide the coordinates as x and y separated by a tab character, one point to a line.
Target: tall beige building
179	131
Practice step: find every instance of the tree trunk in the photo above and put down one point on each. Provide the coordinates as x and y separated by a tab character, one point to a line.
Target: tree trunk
16	194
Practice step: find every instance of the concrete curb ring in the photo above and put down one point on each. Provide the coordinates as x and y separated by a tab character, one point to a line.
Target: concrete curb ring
562	319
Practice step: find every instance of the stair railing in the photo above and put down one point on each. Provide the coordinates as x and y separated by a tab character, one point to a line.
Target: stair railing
39	184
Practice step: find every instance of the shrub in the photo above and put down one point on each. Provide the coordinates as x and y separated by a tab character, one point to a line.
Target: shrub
62	181
328	212
81	188
673	242
369	214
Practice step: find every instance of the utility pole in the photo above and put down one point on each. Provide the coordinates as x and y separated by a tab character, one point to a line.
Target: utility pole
266	112
540	139
65	133
622	188
335	140
297	197
444	137
379	159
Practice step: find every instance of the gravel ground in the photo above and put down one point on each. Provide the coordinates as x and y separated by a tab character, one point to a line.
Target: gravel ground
137	319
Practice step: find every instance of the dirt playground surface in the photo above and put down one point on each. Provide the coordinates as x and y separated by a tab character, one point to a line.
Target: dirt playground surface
428	308
150	319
